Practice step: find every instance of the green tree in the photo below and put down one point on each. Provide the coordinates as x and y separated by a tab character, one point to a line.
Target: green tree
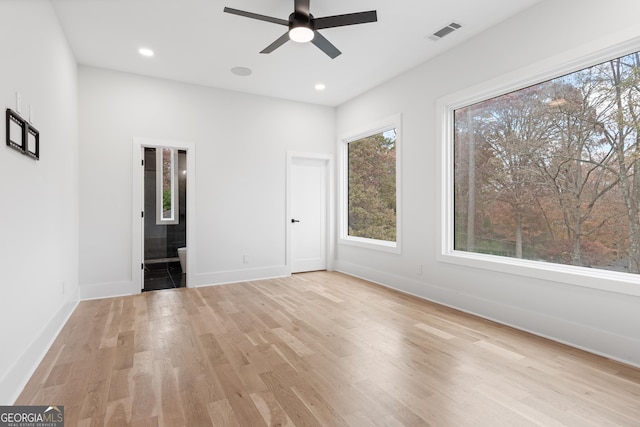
556	169
372	187
621	86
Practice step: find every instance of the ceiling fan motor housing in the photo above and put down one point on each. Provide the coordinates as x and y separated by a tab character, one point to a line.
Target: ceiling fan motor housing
301	20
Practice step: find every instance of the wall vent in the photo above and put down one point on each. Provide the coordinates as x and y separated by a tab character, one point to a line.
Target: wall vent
448	29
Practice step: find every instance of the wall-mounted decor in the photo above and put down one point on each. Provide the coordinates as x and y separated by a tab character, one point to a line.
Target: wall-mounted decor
15	130
33	142
22	136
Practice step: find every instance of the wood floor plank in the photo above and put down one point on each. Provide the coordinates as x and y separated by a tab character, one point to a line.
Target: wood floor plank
118	414
192	399
271	410
147	422
317	349
172	412
119	385
279	382
396	409
221	414
124	350
143	391
110	337
94	404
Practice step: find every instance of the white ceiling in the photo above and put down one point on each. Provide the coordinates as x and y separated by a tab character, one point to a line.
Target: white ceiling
195	42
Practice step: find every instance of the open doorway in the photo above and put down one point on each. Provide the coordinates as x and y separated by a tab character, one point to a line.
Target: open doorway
178	213
165	218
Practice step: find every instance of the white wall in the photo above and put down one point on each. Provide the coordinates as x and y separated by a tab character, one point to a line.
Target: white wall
241	142
39	208
601	321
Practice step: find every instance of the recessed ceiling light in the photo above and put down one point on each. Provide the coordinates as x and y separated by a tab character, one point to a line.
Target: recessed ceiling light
241	71
320	86
145	51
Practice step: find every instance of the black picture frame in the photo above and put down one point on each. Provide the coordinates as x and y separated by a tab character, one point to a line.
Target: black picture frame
22	136
32	143
16	131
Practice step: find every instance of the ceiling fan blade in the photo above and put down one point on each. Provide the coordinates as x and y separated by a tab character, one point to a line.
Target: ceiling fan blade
256	16
276	44
346	19
325	45
302	7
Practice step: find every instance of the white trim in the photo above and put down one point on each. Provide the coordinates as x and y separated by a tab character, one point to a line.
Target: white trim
106	290
19	374
137	244
388	123
237	276
175	195
330	193
623	283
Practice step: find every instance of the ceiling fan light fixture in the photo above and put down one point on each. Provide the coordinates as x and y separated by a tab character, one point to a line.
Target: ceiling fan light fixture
301	34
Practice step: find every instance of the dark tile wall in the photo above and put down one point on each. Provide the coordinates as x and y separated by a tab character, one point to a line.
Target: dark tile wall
163	241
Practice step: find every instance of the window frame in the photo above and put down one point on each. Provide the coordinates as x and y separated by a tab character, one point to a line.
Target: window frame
383	125
175	197
611	281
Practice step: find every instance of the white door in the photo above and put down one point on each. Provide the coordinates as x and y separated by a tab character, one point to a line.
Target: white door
308	222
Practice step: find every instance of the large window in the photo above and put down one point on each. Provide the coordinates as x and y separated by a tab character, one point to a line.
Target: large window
371	188
551	173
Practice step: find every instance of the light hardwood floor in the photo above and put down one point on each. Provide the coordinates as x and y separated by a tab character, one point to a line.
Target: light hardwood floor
317	349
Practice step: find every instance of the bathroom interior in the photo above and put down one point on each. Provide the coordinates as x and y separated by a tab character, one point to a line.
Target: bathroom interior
165	218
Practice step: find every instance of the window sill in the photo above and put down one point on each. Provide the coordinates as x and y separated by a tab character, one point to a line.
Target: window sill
378	245
609	281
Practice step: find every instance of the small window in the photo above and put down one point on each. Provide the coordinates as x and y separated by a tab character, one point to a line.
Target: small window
166	186
370	212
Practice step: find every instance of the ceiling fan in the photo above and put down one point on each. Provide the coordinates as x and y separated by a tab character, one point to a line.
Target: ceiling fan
303	27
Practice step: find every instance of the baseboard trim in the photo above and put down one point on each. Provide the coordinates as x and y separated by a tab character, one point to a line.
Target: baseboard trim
602	343
118	289
19	374
105	290
244	275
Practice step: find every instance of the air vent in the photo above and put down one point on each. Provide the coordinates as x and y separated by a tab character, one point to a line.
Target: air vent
445	31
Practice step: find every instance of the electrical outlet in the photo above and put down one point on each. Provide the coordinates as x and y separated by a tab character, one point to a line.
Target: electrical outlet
420	269
245	259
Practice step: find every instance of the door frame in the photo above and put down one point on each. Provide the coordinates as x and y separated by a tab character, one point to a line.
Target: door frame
328	160
137	226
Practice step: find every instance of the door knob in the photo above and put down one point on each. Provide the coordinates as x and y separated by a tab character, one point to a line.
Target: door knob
294	221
